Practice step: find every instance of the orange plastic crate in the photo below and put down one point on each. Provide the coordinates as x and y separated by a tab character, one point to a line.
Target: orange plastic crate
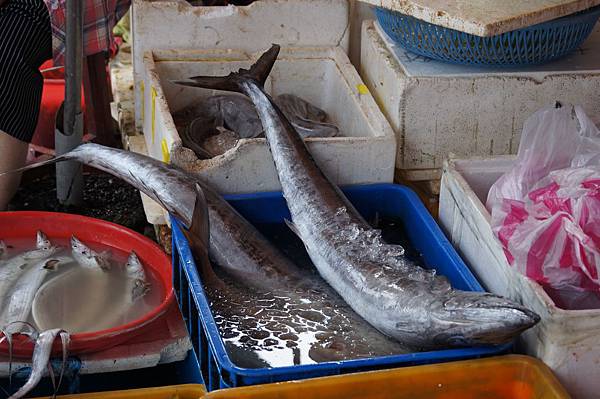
504	377
190	391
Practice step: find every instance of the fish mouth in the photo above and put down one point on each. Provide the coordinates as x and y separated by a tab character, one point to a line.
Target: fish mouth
467	319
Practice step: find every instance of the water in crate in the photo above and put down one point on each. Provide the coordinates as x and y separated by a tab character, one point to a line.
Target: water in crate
308	324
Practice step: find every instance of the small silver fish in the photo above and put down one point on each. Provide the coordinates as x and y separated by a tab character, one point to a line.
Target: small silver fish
42	241
43	249
14	267
87	257
136	278
41	357
18	305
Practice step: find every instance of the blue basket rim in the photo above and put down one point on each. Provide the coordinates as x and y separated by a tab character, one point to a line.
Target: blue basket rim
218	346
529	45
580	16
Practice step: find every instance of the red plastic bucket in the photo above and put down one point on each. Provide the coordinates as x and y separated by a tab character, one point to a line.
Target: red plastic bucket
19	225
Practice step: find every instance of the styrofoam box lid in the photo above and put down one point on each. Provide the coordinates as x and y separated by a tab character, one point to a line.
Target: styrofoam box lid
485	17
585	59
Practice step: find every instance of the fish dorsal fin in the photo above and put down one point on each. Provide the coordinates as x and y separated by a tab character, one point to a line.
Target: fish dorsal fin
199	232
232	82
262	68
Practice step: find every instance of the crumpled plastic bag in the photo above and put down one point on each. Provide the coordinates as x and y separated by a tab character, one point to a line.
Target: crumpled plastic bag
546	209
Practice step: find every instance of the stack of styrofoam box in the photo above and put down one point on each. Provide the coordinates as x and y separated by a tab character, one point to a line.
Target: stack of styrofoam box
568	341
174	40
438	108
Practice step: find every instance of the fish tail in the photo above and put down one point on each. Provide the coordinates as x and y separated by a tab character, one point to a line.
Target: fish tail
54	160
232	82
41	357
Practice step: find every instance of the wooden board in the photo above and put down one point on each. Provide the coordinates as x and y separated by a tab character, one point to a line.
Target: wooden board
485	17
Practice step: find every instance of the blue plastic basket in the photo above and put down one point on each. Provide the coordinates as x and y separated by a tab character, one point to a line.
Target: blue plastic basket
388	200
535	44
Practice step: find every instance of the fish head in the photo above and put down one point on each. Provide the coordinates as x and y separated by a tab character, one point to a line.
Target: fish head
42	241
134	265
87	257
78	247
474	318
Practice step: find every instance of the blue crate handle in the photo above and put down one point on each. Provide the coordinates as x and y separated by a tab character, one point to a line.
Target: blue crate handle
533	45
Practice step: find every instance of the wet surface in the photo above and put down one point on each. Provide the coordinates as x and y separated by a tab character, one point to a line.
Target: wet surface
303	325
104	197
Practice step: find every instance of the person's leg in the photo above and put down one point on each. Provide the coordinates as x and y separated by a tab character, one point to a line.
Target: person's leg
13	154
25	43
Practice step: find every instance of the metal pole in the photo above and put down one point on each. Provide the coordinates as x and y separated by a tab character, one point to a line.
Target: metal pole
69	178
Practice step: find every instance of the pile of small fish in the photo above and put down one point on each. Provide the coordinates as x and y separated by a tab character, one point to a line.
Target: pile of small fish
36	296
218	122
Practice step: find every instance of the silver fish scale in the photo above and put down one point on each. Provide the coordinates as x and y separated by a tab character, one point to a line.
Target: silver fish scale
376	258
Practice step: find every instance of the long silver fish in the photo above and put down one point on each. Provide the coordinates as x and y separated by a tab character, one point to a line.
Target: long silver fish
14	267
235	244
390	291
41	357
18	305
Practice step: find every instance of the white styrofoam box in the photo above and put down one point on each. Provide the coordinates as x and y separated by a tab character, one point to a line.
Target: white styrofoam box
438	108
176	24
568	341
155	214
364	152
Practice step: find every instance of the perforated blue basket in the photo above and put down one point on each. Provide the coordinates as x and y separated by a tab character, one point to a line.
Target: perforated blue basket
535	44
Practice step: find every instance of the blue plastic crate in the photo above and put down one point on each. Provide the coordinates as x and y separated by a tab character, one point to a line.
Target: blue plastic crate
388	200
535	44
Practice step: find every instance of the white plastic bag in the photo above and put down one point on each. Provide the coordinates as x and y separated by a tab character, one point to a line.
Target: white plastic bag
546	209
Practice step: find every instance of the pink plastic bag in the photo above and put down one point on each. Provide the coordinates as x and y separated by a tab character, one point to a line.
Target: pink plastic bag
546	209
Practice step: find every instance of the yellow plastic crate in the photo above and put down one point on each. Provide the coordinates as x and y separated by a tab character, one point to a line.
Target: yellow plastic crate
190	391
513	376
